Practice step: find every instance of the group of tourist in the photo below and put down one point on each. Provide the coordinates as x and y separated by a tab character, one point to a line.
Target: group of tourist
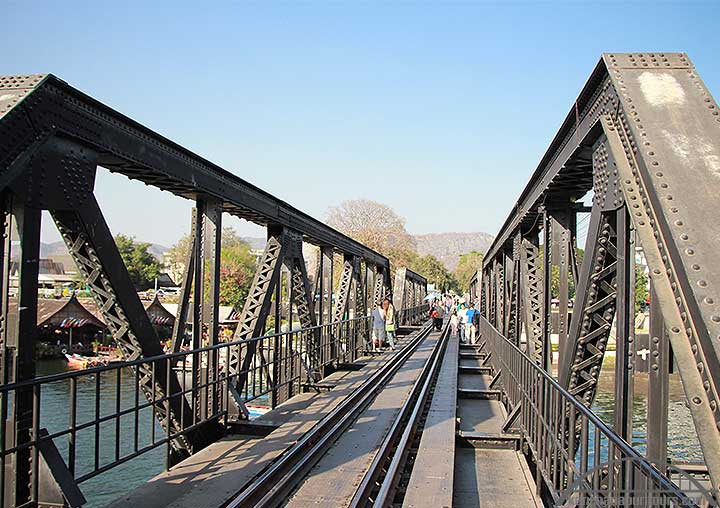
383	325
464	319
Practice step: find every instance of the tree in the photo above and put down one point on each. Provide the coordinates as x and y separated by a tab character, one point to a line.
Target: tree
372	224
467	267
378	227
237	269
142	266
237	265
435	272
641	286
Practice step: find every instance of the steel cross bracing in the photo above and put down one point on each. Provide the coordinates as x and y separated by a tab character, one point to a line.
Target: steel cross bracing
531	299
644	136
52	140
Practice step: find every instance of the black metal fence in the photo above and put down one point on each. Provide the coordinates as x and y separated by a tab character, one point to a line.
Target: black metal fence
579	460
88	421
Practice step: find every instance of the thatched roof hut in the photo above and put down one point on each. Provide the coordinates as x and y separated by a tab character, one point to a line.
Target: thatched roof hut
158	314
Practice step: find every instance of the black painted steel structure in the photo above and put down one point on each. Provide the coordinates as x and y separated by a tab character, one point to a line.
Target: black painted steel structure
642	141
643	138
53	138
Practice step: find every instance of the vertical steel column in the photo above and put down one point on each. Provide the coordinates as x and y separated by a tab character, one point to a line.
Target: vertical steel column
558	238
208	263
499	292
21	338
564	239
278	353
658	386
509	273
514	311
197	324
326	290
492	304
549	248
197	286
369	287
6	225
286	280
379	286
625	311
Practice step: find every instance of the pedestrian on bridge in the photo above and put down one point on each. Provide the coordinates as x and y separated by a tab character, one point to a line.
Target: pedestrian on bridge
389	322
438	314
454	322
378	330
473	321
462	321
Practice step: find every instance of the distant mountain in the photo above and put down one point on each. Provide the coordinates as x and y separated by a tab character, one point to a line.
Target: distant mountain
448	247
256	243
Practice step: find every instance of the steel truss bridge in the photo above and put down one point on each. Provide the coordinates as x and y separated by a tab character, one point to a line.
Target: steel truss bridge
502	422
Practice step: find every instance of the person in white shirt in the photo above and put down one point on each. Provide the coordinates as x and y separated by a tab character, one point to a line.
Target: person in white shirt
378	328
462	315
454	322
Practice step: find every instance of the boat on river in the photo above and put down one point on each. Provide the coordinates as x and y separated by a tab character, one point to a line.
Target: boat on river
76	361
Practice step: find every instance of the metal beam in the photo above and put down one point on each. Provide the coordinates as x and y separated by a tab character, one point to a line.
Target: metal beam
20	349
256	308
93	249
658	386
178	333
680	289
532	301
35	108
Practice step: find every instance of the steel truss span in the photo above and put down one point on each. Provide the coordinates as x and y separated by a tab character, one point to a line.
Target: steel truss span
53	138
644	137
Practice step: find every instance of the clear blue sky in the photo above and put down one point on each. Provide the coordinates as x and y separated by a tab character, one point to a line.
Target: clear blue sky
419	105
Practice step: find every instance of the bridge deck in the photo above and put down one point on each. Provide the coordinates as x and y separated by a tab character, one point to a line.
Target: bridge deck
463	458
212	476
335	478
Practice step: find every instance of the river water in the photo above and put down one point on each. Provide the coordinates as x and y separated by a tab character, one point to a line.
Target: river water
100	490
54	412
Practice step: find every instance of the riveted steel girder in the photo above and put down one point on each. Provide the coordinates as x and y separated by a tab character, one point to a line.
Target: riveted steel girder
662	129
36	108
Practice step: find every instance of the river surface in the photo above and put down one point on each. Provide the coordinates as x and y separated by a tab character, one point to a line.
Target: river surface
100	490
55	416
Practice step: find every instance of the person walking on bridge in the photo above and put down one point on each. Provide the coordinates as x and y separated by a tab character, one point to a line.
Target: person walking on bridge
462	322
389	322
378	330
438	314
454	322
473	320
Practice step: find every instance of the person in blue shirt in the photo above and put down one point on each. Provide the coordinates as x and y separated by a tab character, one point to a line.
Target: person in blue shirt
473	320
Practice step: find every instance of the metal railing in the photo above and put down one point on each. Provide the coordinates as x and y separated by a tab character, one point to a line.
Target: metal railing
109	421
578	459
413	315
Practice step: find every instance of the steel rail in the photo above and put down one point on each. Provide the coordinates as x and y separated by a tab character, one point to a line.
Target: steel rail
273	486
396	443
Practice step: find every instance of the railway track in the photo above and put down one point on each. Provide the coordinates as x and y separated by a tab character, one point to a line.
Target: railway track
379	482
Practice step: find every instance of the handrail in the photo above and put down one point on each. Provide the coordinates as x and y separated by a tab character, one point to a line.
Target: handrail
556	426
132	363
107	399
